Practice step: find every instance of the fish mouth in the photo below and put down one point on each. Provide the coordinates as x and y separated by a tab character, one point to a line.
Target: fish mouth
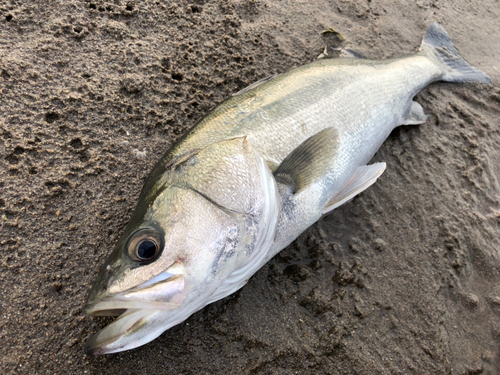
116	307
140	312
133	328
164	292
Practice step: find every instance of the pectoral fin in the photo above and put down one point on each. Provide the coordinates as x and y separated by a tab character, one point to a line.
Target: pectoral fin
362	179
310	161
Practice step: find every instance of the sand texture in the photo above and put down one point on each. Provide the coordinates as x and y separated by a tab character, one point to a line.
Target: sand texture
404	279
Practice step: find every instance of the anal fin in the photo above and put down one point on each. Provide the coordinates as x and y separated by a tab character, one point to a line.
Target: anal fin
362	179
415	115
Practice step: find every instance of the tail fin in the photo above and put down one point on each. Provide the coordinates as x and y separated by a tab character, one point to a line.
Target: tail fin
437	44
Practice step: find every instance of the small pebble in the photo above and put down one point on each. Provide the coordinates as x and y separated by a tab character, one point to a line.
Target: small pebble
141	155
380	244
471	300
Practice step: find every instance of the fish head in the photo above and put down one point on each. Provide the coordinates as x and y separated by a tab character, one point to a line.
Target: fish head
202	221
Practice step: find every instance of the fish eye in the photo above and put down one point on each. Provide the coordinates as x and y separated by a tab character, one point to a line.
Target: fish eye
144	245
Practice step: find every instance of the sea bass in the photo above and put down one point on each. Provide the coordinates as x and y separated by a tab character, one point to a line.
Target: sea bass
250	177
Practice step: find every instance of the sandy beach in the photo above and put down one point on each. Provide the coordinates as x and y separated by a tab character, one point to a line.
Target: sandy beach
404	279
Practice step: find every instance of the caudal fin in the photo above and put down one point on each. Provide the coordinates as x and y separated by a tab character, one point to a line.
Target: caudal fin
438	44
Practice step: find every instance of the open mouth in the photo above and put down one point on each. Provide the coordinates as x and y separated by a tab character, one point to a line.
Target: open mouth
130	330
160	294
139	312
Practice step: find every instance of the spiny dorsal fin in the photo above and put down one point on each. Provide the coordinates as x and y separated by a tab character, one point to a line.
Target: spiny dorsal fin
350	53
255	84
362	179
310	161
333	53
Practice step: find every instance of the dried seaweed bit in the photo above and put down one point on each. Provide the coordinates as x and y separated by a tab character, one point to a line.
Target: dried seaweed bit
336	34
333	41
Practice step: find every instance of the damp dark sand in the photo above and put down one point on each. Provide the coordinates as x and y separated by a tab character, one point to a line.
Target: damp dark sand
404	279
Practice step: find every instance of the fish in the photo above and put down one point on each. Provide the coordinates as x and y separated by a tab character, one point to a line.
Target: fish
251	176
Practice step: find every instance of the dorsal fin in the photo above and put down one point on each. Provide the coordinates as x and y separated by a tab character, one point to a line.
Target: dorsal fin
347	52
333	53
255	84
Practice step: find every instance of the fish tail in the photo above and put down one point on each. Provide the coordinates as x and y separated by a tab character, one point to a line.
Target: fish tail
438	45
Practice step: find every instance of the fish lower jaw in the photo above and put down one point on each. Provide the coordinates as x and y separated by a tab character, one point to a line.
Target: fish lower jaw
128	331
135	327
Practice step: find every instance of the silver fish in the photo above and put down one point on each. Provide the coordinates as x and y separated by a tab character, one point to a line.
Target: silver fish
250	177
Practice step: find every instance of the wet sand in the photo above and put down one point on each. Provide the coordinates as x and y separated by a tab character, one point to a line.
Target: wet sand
404	279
